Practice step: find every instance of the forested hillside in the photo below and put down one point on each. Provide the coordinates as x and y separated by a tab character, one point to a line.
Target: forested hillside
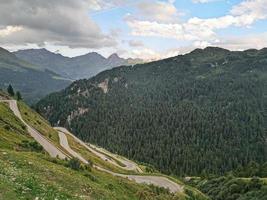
232	188
204	112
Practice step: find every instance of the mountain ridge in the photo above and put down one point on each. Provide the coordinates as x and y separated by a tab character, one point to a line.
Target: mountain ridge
79	67
31	80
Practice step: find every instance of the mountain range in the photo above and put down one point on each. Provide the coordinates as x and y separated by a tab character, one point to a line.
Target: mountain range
84	66
31	80
38	72
200	113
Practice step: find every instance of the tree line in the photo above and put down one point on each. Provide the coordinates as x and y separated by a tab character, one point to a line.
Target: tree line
12	93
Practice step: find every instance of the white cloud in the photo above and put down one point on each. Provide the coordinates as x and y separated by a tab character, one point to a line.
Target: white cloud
9	30
159	11
203	1
149	54
135	43
256	41
62	22
250	10
197	29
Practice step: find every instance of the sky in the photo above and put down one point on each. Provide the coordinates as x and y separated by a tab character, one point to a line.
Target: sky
146	29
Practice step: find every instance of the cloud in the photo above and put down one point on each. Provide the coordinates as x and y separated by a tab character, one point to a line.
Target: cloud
9	30
197	29
251	10
149	54
256	41
135	43
62	22
203	1
159	11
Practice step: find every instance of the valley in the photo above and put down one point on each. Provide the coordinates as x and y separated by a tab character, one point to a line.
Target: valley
133	100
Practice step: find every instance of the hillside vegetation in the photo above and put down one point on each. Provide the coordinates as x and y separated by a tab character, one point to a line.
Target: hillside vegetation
201	113
232	188
27	171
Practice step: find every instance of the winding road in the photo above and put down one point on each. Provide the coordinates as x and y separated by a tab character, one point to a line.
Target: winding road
53	151
155	180
48	146
101	153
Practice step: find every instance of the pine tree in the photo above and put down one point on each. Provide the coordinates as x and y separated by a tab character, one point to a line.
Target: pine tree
19	97
10	91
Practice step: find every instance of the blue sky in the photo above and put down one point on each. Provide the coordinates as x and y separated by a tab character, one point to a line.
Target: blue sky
149	29
160	44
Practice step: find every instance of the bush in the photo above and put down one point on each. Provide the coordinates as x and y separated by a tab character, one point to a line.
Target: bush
23	127
74	164
7	127
31	145
91	177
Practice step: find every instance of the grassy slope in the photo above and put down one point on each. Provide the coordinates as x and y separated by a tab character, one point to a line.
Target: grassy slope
43	126
26	175
39	123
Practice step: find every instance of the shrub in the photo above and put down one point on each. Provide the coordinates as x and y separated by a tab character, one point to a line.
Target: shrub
7	127
31	145
74	164
91	177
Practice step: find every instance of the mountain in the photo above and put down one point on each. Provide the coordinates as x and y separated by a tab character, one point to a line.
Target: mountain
28	170
45	59
79	67
200	113
31	80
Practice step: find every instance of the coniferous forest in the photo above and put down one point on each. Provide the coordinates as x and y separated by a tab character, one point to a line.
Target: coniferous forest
200	113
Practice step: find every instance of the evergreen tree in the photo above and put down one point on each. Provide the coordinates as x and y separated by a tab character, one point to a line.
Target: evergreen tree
19	97
10	90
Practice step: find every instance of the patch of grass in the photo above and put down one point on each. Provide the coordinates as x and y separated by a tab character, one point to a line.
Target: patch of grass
12	131
37	122
27	178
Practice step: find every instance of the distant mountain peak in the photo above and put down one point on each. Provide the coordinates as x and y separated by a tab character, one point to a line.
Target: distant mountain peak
114	56
91	55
